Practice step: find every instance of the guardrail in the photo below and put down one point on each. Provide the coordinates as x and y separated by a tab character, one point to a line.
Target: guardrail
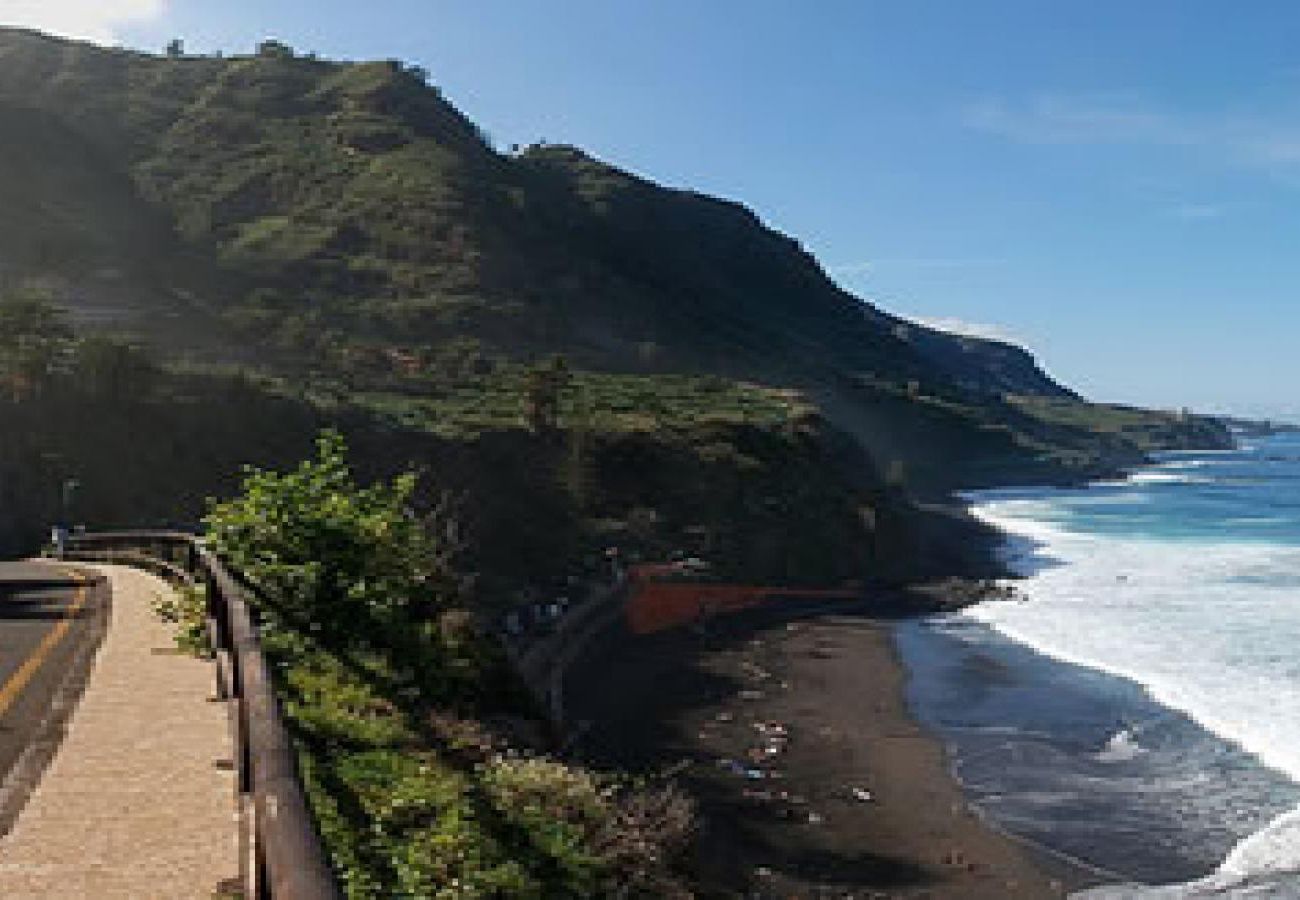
281	854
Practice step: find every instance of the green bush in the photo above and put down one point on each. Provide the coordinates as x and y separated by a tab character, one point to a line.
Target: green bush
332	556
383	680
187	609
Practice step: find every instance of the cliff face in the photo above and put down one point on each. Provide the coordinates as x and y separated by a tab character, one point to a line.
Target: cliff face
343	221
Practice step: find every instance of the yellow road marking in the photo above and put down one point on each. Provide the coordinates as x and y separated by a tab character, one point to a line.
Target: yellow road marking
11	689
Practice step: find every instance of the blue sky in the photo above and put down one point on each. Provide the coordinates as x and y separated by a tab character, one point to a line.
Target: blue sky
1114	184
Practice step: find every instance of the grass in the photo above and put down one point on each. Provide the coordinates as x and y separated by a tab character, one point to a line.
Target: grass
387	685
413	804
1140	425
596	402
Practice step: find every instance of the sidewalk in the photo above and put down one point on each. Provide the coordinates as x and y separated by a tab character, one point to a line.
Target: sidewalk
139	800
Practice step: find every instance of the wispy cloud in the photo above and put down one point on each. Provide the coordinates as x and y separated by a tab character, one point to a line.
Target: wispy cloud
92	20
848	270
1197	212
1075	119
866	267
970	329
1259	140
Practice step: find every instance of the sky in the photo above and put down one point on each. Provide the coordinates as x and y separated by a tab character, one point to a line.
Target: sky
1115	185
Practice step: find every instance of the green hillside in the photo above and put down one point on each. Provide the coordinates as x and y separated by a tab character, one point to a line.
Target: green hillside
346	235
344	203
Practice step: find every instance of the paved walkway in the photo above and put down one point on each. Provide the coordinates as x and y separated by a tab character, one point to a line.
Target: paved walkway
137	802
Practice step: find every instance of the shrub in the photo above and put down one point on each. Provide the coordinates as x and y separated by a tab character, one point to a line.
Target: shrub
186	608
352	562
384	682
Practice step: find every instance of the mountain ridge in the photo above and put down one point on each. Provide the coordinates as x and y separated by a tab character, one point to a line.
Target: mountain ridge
343	223
261	220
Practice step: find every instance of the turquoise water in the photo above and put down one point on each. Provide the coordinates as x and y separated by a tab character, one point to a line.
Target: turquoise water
1141	709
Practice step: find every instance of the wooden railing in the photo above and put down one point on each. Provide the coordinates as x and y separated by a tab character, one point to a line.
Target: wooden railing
281	854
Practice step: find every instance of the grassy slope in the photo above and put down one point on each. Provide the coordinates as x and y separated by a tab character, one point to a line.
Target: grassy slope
345	231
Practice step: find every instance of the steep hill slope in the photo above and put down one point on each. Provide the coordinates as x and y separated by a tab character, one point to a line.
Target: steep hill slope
341	222
358	192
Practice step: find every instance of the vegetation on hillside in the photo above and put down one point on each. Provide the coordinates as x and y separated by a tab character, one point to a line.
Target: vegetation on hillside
386	685
746	476
343	229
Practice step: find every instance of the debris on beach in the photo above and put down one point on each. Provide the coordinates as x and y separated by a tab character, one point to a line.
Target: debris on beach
775	739
744	771
862	795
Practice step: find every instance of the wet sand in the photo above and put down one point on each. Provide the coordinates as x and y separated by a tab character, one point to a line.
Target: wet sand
792	731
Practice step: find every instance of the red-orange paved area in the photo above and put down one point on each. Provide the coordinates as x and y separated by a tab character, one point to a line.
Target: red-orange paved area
659	605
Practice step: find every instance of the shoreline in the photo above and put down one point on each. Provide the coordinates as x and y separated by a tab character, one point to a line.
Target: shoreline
790	725
1243	770
686	702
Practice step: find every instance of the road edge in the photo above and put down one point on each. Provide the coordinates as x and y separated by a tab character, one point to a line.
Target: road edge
18	785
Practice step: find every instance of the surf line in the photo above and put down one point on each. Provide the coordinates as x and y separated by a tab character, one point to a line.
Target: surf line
19	679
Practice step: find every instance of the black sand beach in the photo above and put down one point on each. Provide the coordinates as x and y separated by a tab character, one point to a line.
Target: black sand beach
791	727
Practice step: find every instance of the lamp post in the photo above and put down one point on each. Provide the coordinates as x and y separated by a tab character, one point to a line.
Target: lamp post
63	527
69	493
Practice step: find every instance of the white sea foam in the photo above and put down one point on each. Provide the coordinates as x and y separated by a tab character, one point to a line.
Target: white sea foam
1172	475
1210	628
1264	865
1122	747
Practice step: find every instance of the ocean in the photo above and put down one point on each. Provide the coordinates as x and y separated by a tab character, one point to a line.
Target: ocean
1139	710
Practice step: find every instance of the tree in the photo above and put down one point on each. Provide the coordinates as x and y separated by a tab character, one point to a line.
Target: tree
356	563
35	339
273	49
576	469
542	388
110	369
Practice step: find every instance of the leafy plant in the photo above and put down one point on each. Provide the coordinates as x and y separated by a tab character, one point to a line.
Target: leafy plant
356	562
383	678
186	607
35	340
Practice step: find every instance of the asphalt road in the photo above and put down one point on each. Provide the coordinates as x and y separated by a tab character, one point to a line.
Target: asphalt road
51	620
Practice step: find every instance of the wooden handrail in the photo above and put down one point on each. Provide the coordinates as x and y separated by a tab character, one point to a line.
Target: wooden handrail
283	856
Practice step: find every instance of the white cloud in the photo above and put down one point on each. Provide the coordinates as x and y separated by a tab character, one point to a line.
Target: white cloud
865	267
1256	140
856	268
92	20
1082	119
954	325
1194	212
